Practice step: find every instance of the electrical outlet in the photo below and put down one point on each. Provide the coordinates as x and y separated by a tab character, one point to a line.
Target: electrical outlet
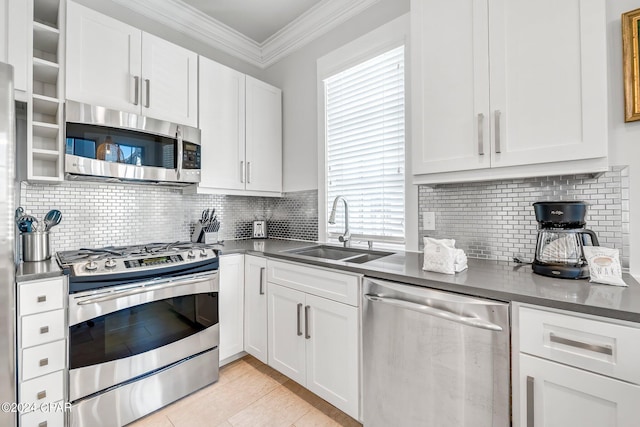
428	221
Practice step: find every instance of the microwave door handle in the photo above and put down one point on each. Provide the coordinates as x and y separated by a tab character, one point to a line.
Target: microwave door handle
180	152
142	289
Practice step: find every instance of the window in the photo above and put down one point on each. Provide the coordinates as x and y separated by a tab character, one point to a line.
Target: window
365	144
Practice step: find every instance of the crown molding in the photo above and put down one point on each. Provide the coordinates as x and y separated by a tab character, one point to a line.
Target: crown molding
187	20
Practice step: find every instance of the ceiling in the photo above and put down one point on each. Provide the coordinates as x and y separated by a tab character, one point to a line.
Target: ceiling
256	19
260	32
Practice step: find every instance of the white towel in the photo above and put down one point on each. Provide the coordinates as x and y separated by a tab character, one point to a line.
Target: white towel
441	256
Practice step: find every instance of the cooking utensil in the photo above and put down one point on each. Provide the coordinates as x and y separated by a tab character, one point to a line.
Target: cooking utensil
51	219
19	213
28	223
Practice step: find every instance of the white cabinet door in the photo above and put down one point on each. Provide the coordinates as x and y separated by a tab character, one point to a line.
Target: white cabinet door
255	307
263	136
231	303
286	332
561	396
332	352
549	88
19	25
170	81
450	85
222	125
103	60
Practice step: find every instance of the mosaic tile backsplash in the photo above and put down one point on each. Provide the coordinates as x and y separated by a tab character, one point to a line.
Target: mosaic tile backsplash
495	219
97	215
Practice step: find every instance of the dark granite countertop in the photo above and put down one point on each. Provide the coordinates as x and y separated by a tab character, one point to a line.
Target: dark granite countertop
28	271
497	280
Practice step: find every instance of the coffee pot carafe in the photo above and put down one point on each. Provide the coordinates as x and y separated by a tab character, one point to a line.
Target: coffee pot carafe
561	237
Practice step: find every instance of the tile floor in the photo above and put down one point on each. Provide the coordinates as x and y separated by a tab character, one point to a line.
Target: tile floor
249	393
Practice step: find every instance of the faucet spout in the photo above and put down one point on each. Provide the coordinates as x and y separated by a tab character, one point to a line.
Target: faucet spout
346	236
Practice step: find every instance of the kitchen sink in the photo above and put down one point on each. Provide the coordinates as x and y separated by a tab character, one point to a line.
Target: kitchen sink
355	255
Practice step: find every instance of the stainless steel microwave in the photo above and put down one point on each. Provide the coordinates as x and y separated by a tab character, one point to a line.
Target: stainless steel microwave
120	146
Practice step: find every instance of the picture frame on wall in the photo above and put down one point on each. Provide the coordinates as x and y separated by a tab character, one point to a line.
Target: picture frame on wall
631	64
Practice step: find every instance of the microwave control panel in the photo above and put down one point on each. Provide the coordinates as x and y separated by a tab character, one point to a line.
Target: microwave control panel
190	156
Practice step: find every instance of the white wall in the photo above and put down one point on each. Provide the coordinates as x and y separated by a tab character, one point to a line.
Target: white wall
624	138
296	76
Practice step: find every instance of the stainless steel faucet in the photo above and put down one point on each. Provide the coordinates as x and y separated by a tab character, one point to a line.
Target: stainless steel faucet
345	238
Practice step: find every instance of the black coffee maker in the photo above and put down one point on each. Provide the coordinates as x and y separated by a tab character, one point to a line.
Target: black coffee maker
561	236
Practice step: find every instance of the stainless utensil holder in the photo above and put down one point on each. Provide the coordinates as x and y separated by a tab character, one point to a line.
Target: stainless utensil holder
35	246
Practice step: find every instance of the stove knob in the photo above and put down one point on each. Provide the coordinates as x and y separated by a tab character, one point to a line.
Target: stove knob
110	263
191	254
91	266
203	253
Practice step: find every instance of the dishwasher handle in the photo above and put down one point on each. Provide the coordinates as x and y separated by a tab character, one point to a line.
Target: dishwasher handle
425	309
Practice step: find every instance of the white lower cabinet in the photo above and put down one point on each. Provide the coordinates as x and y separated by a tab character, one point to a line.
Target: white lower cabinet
255	307
573	370
556	395
314	340
42	352
231	306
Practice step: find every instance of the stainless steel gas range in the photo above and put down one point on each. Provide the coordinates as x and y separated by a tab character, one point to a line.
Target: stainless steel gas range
143	328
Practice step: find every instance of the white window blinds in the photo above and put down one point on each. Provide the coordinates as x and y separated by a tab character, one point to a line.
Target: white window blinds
365	147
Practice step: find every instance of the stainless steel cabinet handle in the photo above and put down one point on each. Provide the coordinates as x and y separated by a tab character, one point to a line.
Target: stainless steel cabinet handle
425	309
261	280
530	408
604	349
147	84
44	329
306	322
248	172
44	362
497	124
144	287
242	171
299	320
41	395
481	134
42	298
136	90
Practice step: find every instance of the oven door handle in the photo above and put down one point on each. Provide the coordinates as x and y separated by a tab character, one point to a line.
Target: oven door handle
147	287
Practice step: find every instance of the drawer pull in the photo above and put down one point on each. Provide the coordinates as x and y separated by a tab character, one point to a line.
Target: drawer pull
42	298
42	424
44	329
603	349
530	402
44	362
299	321
41	395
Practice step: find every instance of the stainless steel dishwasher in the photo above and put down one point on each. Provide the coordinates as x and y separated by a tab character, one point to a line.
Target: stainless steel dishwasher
434	358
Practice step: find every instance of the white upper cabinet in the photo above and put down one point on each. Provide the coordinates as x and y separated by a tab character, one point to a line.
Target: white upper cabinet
222	106
263	136
496	91
169	81
241	124
117	66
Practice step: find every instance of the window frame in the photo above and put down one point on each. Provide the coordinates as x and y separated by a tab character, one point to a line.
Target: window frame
377	42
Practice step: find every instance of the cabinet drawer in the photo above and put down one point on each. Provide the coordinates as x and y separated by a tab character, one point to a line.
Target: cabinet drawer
43	359
41	328
596	345
52	418
324	283
48	388
41	296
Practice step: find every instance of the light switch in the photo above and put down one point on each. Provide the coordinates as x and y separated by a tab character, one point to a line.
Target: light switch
428	221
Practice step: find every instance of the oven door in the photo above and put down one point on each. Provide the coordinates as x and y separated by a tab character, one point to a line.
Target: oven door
124	332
